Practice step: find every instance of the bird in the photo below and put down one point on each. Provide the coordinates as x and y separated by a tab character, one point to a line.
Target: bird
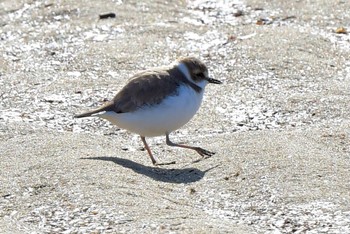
158	101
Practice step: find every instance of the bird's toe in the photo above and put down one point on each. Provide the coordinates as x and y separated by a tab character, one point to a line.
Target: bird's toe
204	152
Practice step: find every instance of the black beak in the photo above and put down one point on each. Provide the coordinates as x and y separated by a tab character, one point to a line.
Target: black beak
213	81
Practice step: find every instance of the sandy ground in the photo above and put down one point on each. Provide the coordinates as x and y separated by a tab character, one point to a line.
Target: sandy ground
279	124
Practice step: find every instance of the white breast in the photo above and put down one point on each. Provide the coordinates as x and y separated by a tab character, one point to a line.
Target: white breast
156	120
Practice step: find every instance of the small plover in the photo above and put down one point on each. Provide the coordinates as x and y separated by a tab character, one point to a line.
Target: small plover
158	101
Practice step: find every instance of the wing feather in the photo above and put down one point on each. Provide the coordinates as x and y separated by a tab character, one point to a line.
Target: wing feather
146	88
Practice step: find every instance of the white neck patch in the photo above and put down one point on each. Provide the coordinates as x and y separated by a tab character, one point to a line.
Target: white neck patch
183	68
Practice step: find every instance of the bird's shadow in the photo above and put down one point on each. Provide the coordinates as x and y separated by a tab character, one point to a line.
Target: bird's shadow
167	175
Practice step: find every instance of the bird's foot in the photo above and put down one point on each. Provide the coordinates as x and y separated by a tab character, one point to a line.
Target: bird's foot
204	153
164	164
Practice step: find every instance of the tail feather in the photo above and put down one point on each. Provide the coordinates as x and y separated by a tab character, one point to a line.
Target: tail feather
87	114
90	113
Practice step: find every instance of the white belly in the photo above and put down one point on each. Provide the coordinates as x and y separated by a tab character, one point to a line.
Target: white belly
169	115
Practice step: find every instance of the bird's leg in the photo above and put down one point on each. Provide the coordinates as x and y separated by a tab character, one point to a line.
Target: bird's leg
202	152
151	155
148	150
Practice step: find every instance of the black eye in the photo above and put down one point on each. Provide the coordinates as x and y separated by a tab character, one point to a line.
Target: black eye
200	75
